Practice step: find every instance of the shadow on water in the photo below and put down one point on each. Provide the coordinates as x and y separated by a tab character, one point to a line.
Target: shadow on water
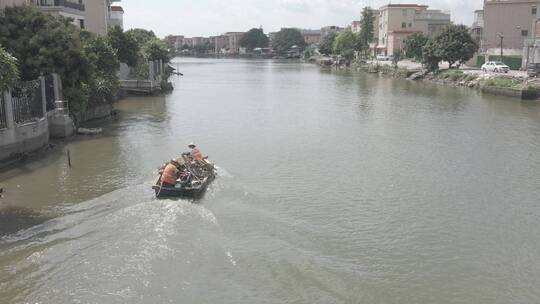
14	219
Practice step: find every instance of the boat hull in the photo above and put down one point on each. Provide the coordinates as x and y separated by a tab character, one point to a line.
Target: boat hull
168	192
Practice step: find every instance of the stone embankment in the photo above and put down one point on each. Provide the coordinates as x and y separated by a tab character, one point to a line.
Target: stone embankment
515	85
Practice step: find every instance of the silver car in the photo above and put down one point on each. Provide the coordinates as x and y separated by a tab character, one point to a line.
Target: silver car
496	67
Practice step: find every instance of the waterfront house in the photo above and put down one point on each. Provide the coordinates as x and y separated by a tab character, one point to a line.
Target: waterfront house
512	22
75	10
398	21
98	15
92	15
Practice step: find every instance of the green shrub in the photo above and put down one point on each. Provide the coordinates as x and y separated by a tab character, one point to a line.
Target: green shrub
9	72
502	82
453	75
471	77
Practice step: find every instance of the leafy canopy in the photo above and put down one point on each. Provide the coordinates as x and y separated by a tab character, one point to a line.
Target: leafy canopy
9	72
142	36
254	38
327	44
156	49
367	29
345	41
414	45
127	46
454	45
286	38
44	44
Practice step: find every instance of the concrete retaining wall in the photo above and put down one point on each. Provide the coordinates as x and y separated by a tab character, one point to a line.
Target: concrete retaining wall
102	111
510	92
24	138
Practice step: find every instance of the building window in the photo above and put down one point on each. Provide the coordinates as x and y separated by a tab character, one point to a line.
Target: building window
403	25
81	23
533	11
410	24
524	33
404	12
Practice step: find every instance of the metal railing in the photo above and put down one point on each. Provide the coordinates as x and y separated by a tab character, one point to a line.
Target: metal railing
27	102
3	117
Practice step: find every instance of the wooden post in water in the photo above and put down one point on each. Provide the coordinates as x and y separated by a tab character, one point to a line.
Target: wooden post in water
69	158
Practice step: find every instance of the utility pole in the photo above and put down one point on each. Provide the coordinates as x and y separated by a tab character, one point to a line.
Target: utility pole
502	39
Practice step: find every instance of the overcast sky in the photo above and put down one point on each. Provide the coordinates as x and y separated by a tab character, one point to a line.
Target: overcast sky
213	17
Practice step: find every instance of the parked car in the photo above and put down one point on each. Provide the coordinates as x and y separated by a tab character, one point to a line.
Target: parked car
381	57
533	69
495	66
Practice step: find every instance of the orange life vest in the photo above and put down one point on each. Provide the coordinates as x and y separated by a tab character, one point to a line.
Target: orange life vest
170	174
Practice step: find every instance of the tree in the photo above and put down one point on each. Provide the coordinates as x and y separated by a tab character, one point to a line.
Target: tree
103	85
345	41
44	44
455	44
254	38
327	45
397	56
101	54
430	56
157	50
9	72
142	36
414	45
286	38
367	29
127	47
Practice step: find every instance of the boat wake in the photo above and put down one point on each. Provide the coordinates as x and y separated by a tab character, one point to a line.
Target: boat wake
110	245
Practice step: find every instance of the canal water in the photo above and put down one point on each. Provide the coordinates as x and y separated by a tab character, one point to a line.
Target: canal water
333	187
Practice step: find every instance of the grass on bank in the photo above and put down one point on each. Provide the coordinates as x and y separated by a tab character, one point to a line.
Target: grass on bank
503	82
457	75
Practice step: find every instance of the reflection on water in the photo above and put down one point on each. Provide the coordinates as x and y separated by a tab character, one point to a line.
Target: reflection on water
333	187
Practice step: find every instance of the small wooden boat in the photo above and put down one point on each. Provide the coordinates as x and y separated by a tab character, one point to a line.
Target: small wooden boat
202	175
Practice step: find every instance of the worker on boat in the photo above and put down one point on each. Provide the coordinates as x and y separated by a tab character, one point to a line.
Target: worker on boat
171	173
195	152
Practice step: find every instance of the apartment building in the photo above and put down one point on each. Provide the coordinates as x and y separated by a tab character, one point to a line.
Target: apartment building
234	41
200	41
327	30
220	43
512	21
399	21
311	37
74	9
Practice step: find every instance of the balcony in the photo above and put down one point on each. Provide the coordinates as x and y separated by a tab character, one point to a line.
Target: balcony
61	3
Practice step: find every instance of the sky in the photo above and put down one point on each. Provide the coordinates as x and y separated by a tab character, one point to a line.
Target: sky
213	17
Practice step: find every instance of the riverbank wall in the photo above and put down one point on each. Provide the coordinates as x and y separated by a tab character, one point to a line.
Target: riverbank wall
496	84
24	124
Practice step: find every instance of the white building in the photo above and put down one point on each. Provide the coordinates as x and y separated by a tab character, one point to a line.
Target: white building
117	16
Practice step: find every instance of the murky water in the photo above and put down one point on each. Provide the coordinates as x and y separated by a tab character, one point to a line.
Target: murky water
334	187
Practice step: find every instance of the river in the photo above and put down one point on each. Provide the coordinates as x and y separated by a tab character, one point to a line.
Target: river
333	187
